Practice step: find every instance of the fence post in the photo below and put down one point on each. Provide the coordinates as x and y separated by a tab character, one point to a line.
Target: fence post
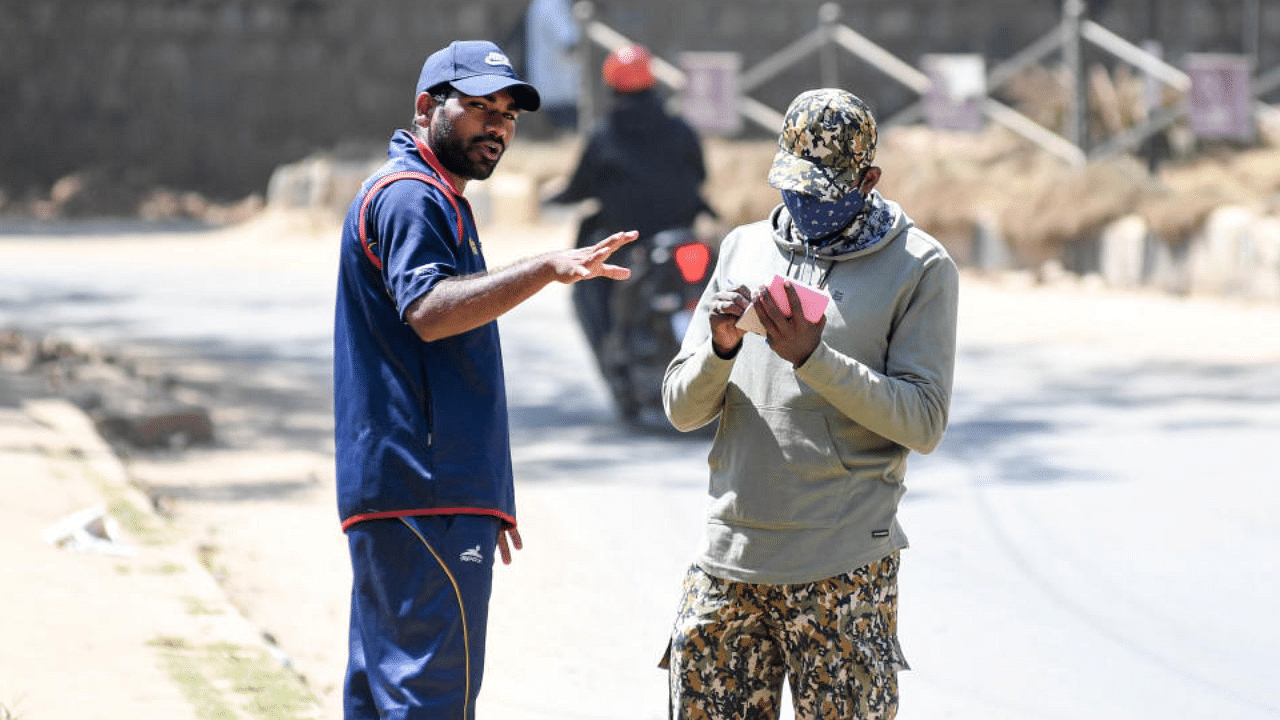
828	16
1252	41
584	13
1073	60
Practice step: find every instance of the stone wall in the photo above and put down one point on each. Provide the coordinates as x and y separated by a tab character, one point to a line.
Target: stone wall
211	95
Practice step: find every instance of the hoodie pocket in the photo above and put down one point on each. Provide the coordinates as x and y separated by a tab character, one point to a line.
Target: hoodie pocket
781	470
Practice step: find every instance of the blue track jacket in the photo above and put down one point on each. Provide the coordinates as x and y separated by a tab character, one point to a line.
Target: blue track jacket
420	428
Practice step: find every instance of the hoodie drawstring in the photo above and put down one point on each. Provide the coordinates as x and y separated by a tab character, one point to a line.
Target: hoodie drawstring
809	267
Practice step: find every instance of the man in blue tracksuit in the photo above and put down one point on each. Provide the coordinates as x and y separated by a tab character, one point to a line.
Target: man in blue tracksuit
423	455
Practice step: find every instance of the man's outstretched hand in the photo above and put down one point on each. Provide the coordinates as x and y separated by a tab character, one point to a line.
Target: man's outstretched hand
589	262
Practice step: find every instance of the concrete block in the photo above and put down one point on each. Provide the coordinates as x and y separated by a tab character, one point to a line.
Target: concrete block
1124	252
1262	281
1220	255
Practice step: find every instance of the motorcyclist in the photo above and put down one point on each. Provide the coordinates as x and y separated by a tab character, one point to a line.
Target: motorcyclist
644	167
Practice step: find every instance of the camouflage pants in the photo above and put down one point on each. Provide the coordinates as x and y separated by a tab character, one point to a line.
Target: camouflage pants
836	639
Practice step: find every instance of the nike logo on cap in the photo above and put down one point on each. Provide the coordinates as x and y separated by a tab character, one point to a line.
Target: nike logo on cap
496	58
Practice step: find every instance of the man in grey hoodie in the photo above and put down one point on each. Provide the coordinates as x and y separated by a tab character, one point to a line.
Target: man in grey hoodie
796	575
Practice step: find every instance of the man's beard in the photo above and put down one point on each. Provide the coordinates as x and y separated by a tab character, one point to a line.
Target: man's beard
454	152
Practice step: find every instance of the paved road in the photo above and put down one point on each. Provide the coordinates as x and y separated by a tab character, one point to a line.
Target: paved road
1097	536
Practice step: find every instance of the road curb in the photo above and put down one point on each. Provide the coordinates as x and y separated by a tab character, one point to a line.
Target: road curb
151	622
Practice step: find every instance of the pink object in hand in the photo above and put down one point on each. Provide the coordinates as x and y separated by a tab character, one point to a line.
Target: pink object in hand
814	302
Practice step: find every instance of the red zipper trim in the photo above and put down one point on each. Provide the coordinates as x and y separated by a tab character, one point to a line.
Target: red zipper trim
506	519
442	186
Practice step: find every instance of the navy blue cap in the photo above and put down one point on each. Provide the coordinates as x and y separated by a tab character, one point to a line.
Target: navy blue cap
477	68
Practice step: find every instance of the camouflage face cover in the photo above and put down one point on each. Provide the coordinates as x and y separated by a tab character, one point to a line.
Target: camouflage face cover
827	140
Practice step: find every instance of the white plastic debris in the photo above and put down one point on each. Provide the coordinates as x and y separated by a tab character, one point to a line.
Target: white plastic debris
90	530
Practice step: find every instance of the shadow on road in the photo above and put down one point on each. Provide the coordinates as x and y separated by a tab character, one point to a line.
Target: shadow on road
1017	432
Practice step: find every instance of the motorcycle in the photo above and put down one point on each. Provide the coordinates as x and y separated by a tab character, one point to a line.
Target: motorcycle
635	326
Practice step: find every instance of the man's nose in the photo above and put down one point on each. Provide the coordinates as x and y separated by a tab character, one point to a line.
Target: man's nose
499	127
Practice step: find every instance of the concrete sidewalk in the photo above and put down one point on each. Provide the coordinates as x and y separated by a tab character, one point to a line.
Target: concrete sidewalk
134	628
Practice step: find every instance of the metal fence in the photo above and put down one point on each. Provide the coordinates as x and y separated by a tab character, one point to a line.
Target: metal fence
1216	94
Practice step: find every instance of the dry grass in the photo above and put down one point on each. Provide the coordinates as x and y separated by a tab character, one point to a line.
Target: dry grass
952	184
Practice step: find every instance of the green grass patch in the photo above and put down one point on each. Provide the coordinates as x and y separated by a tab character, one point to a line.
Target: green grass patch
141	524
224	681
138	523
170	568
204	697
196	606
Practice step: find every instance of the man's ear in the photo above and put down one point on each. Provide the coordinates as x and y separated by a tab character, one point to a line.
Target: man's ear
423	106
870	178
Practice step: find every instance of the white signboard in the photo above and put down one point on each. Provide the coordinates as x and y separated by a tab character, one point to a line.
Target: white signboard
1221	97
954	101
710	95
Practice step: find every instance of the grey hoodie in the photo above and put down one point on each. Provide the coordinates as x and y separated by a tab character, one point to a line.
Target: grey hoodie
808	463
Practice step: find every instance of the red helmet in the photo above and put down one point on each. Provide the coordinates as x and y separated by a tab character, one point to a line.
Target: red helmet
627	69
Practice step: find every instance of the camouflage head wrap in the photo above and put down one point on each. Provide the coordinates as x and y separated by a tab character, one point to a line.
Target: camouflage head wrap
827	140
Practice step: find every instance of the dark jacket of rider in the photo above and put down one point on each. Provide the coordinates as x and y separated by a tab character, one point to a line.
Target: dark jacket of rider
643	165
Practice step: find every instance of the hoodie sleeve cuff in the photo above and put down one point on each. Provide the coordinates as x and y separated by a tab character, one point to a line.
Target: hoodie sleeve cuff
817	365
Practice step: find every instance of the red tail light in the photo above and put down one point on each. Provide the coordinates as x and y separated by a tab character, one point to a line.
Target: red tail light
693	260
